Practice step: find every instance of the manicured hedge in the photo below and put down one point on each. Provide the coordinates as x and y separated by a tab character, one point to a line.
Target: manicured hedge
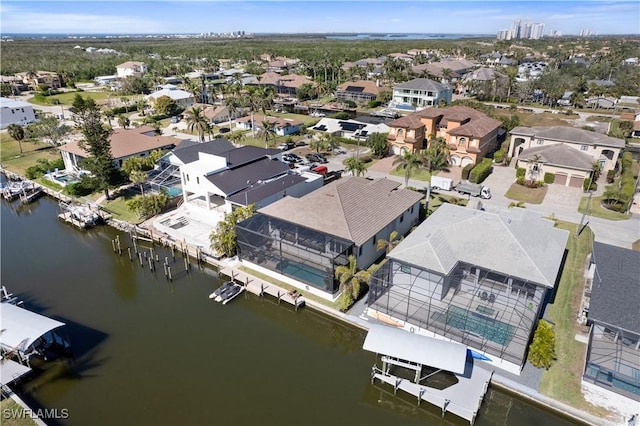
480	172
549	177
627	183
520	172
466	170
498	156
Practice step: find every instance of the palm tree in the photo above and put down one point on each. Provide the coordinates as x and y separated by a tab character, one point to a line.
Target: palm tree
138	176
267	131
388	244
196	121
236	137
17	132
109	115
447	74
434	158
410	162
232	107
123	121
354	166
352	281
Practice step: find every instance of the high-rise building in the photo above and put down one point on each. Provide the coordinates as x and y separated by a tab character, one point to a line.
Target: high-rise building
537	31
504	35
525	30
515	29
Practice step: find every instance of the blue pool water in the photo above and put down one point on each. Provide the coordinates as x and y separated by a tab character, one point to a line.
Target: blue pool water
305	273
487	327
173	192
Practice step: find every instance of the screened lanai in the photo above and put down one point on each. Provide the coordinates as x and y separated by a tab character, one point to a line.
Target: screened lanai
301	253
486	310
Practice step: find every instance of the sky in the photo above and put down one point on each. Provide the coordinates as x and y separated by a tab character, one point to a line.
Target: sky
284	16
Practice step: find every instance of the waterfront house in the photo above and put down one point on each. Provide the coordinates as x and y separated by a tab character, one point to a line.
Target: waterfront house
283	84
360	91
470	134
304	239
282	126
613	354
476	277
15	112
217	179
566	152
125	143
131	68
420	93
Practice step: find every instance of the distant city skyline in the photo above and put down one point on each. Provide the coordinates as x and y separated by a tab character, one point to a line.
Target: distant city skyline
182	17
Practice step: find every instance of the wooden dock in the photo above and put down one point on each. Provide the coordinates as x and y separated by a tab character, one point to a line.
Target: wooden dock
260	287
68	217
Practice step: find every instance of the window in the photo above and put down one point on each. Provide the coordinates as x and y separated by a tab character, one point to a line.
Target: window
198	180
584	147
401	217
187	178
462	142
400	131
373	240
412	209
405	268
360	251
540	141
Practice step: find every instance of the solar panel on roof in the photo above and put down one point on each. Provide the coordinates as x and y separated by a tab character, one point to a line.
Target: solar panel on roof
349	127
320	128
363	133
354	89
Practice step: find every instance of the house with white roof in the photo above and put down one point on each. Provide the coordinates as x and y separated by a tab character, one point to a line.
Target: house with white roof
15	112
131	68
183	98
350	129
421	92
476	277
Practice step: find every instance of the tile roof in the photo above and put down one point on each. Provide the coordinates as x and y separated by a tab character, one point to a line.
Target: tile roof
615	293
422	84
569	134
368	86
561	155
130	64
477	128
411	121
127	142
515	242
483	74
289	80
352	208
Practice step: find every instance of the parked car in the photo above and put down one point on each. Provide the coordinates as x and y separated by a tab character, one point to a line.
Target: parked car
285	146
318	158
301	143
291	158
340	150
175	119
224	130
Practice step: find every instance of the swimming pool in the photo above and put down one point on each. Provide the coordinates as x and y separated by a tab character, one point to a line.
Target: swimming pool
473	322
305	273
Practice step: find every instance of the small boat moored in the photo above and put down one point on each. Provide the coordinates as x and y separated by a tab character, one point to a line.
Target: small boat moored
216	293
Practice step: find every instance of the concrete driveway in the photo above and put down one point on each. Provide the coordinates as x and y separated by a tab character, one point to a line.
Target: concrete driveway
562	199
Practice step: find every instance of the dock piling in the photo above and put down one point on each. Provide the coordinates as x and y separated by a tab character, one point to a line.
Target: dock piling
169	269
129	251
113	244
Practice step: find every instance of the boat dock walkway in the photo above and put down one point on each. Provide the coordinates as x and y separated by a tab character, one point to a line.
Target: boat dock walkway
260	287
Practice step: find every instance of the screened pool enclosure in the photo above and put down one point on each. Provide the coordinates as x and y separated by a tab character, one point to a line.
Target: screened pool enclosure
298	252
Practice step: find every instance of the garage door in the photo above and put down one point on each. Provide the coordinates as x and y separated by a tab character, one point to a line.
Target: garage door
561	179
466	161
455	160
396	150
576	181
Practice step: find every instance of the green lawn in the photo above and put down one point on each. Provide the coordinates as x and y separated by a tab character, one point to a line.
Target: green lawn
436	200
562	381
596	209
306	119
67	98
419	174
119	208
15	162
8	407
527	195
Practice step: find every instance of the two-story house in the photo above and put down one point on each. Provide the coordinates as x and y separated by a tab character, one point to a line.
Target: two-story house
305	239
566	152
612	370
283	84
131	68
476	277
421	92
15	112
360	91
35	80
470	134
182	98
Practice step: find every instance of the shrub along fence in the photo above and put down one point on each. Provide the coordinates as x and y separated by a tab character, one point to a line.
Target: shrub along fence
480	172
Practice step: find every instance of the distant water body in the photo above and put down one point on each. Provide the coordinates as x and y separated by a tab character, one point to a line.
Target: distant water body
335	36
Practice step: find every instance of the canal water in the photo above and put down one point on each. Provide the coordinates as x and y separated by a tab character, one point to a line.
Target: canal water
150	352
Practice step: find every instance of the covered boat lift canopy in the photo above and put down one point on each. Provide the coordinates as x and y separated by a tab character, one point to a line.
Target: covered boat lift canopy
21	328
11	371
413	351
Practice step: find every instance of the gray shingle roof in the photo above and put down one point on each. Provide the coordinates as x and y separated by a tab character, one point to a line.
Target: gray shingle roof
615	294
515	242
234	180
352	208
188	152
559	154
569	134
422	84
259	191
